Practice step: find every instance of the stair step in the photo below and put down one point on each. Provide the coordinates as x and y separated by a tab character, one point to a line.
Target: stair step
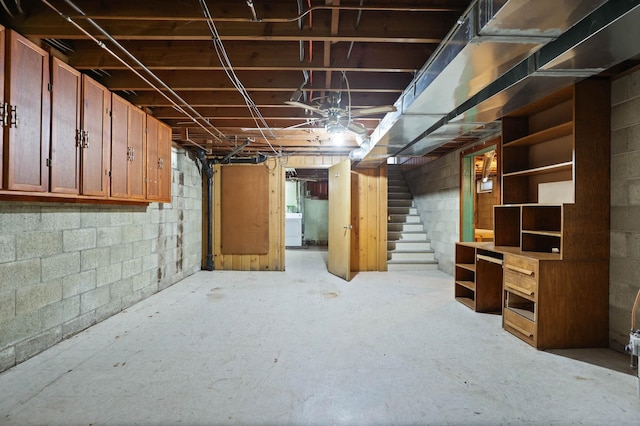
399	196
399	203
410	256
410	246
405	227
402	210
404	218
412	266
397	189
395	236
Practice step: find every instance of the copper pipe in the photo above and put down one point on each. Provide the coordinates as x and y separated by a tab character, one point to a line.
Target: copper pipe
634	310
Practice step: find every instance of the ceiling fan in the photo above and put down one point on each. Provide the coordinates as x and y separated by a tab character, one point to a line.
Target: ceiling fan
338	119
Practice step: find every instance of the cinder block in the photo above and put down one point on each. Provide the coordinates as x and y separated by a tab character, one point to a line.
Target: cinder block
121	252
634	137
620	90
34	297
150	262
108	236
78	324
38	244
131	233
624	270
18	218
79	283
78	239
7	358
620	141
121	218
634	193
37	344
57	218
93	219
150	231
108	310
634	245
149	290
7	248
141	280
58	313
622	295
61	265
94	258
108	274
131	267
20	328
142	248
7	306
625	114
619	193
625	218
120	289
93	299
131	299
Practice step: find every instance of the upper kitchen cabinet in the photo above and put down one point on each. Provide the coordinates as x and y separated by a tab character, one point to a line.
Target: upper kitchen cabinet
26	116
67	138
127	150
158	160
96	138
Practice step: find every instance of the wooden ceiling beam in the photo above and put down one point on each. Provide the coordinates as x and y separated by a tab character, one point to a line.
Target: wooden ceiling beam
257	55
261	99
256	80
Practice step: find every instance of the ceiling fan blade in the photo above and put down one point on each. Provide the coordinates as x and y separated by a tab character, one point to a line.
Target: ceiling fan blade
373	110
307	107
357	128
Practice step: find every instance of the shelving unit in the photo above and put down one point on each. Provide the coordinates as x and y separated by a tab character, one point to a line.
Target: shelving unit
553	225
478	277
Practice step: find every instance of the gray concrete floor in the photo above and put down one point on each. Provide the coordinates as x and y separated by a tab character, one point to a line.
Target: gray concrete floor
304	347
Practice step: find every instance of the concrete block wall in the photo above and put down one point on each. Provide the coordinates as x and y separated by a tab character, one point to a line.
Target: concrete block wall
624	270
436	191
64	267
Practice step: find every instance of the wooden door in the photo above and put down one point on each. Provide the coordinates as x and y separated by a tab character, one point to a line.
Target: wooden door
340	220
137	161
119	147
27	135
96	123
153	189
66	138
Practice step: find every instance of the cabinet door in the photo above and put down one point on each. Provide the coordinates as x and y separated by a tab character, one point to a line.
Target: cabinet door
27	135
66	138
153	170
164	162
119	147
137	143
96	123
2	47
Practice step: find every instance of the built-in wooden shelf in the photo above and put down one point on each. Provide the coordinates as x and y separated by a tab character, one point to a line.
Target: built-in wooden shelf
559	167
564	129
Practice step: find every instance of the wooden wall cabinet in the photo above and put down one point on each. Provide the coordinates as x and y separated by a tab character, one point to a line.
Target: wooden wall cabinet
127	150
26	116
158	160
95	137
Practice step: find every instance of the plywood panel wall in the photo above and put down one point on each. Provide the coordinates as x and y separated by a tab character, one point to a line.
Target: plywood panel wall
273	260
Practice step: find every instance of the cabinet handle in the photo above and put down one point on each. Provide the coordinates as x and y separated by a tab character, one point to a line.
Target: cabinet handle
519	290
489	259
520	270
4	114
520	330
13	116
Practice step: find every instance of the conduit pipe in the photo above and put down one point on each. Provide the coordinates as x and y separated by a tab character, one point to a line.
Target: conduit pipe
207	170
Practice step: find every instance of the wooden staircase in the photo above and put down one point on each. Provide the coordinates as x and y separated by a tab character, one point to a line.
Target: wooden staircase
408	247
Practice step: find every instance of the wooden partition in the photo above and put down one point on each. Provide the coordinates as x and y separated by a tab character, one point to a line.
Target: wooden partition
273	259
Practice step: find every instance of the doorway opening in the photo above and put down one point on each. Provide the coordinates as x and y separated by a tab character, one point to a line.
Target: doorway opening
307	208
479	191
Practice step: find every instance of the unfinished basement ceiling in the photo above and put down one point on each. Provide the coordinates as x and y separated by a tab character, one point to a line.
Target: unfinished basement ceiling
369	50
445	70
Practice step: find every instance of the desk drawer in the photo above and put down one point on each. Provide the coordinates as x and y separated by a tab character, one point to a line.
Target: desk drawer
519	326
521	276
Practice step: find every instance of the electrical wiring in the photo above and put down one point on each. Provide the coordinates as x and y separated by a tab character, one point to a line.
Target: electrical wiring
221	52
178	107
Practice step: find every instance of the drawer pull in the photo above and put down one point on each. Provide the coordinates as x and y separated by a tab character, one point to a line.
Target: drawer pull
520	290
520	330
520	270
489	259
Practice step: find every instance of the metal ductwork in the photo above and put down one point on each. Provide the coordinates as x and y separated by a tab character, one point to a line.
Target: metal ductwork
502	55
